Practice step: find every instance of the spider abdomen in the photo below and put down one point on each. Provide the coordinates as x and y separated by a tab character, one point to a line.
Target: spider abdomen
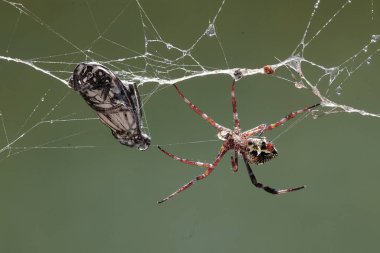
260	150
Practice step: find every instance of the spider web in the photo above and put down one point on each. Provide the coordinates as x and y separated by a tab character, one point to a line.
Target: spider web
142	54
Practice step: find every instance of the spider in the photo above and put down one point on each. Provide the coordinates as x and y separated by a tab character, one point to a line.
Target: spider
251	145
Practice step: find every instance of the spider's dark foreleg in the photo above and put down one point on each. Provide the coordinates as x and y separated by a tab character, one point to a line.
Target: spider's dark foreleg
264	187
210	168
234	162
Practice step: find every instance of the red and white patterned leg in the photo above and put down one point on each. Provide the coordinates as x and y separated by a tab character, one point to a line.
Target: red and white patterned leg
183	160
234	110
199	112
290	116
254	131
200	177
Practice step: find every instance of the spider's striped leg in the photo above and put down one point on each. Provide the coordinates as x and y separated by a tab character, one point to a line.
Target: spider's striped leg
199	112
182	160
210	168
234	110
262	130
264	187
254	131
290	116
234	162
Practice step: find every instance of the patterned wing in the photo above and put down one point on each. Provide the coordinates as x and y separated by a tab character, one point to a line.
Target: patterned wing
117	105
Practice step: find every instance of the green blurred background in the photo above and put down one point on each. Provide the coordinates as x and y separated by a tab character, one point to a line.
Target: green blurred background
103	199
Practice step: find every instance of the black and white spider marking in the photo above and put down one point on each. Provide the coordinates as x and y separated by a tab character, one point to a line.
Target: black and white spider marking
117	105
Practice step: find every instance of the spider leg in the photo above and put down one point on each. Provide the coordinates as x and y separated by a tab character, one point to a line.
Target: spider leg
262	130
199	112
234	162
288	117
210	168
259	130
186	161
235	114
254	131
264	187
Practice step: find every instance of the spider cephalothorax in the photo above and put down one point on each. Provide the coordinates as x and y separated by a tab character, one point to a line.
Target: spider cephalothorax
251	145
